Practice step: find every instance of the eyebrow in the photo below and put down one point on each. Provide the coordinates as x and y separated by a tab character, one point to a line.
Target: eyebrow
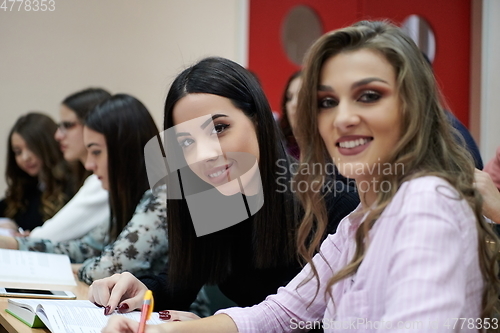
92	144
204	125
355	84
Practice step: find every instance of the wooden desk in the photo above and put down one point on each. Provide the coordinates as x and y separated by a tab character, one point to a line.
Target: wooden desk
9	324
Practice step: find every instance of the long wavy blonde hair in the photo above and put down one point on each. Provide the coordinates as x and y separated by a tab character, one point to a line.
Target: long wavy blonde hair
427	146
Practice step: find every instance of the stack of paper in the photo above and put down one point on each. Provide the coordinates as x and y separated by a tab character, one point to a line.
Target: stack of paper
35	267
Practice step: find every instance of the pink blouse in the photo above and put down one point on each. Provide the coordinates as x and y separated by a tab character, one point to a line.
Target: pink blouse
420	273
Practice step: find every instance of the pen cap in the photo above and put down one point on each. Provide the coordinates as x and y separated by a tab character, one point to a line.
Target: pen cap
149	300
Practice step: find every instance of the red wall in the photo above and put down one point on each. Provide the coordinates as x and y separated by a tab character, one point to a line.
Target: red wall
450	20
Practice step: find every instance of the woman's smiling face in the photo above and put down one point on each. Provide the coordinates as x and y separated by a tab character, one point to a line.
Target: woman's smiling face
218	140
359	112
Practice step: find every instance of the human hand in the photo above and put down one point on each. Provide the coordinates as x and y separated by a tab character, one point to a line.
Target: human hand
124	289
491	195
76	267
7	242
11	229
171	315
24	233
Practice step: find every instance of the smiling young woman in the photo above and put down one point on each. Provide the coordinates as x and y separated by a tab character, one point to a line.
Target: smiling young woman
412	255
359	115
234	133
222	126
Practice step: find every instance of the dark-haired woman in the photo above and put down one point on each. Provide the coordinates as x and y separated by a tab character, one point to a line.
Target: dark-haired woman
89	207
233	131
287	120
38	178
134	239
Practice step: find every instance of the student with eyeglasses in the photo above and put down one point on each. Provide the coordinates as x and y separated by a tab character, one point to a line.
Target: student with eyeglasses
89	208
134	239
38	178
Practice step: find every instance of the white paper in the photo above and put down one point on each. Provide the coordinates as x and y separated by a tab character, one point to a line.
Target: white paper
35	267
77	316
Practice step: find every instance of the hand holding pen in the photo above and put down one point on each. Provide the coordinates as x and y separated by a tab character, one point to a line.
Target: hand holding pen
147	309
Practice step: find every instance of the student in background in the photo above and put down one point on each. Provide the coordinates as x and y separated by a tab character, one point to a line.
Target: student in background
38	178
491	196
287	120
247	260
89	208
135	237
463	136
493	169
461	133
416	251
488	184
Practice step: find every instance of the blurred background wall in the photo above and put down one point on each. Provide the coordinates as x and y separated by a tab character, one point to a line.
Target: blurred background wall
138	47
129	46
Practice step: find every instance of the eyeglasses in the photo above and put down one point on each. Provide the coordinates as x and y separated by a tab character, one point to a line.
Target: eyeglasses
64	126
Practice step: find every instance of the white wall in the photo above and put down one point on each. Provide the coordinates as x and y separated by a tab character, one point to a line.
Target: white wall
129	46
490	79
138	47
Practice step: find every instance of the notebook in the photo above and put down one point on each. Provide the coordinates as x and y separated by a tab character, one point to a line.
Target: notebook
65	316
36	267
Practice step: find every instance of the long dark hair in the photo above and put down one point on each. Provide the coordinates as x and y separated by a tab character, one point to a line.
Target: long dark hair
285	126
272	228
38	131
81	103
127	126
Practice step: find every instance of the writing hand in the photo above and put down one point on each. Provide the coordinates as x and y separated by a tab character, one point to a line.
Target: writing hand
123	291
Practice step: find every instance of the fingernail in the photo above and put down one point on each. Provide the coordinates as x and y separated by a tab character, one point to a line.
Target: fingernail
164	312
99	305
123	307
106	310
165	316
176	320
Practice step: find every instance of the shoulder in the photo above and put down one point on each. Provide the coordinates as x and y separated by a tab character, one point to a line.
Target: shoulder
431	185
430	198
92	184
431	189
333	244
153	200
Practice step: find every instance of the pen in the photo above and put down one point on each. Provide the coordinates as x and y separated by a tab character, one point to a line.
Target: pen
147	308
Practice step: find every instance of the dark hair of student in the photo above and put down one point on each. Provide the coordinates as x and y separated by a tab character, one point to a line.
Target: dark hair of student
285	126
81	103
268	236
38	131
127	126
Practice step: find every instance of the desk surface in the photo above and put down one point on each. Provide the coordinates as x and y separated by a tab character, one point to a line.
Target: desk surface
12	325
